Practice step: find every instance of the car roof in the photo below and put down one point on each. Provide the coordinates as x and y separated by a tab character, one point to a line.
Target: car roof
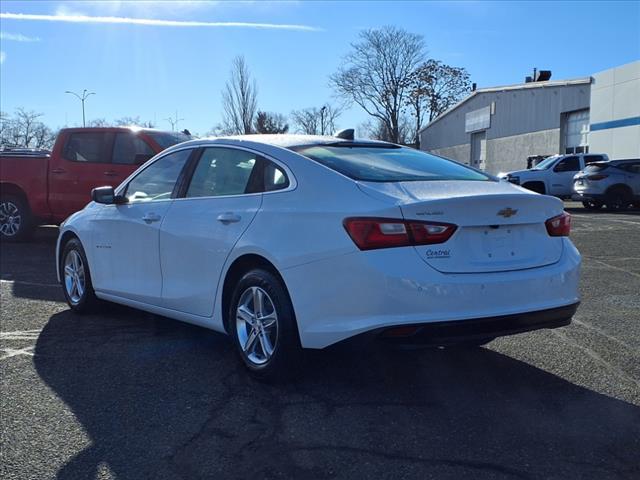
283	140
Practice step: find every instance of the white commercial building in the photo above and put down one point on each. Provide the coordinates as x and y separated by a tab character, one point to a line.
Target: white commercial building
498	128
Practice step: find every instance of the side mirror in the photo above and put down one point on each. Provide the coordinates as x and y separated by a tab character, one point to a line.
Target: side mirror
106	196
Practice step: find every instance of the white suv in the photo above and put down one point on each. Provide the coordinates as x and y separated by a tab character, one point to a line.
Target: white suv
554	175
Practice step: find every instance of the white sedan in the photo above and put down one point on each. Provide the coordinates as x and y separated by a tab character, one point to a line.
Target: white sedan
288	242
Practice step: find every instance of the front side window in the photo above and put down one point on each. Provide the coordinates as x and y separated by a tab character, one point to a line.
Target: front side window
388	163
158	180
569	164
223	171
130	149
87	147
593	158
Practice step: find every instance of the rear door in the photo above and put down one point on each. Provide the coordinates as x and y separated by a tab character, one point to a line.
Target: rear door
79	167
200	229
561	180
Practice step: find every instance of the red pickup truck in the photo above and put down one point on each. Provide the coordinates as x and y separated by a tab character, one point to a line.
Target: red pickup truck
47	188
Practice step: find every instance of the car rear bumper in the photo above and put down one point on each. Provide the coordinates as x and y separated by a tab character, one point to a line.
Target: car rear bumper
345	296
451	333
588	197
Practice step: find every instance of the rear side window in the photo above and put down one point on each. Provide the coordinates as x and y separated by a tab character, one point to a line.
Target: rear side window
593	158
86	147
222	171
130	149
388	163
596	167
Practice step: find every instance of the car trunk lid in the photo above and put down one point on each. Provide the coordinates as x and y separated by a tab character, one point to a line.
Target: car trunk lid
500	227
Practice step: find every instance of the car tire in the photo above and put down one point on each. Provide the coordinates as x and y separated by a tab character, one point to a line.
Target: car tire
16	222
263	326
617	200
592	205
76	278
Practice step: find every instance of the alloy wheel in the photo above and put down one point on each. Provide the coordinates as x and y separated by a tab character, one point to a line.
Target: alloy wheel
10	219
74	276
257	325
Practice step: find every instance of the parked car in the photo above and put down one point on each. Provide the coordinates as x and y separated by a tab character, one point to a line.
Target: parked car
36	187
554	175
615	183
288	242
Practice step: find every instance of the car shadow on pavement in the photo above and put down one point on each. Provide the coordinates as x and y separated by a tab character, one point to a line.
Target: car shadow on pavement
160	399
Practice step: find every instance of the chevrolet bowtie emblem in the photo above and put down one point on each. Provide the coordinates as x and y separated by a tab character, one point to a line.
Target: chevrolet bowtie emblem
507	212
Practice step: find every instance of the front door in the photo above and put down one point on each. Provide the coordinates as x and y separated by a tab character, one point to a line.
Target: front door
126	237
561	182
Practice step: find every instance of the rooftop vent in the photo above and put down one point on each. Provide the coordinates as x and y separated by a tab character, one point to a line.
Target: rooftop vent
538	76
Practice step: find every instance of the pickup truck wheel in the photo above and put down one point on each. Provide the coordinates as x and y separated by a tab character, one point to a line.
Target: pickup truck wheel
592	205
16	223
76	278
618	200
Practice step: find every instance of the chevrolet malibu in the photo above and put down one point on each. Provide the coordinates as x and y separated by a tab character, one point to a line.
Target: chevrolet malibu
291	242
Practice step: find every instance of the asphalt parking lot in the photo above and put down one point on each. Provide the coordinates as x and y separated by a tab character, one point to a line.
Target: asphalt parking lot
129	395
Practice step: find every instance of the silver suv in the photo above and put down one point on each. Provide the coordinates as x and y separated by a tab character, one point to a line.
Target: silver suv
615	183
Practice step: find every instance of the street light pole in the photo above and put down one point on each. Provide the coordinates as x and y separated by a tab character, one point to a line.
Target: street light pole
82	98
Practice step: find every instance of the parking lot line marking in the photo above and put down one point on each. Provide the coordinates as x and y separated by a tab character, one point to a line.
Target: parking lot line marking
617	220
30	284
597	358
20	335
604	334
14	352
614	267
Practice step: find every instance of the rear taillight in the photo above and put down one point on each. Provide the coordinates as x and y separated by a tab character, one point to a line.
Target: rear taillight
597	176
559	226
371	233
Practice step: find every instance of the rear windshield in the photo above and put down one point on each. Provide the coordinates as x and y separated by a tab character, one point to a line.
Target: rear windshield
596	167
388	164
167	139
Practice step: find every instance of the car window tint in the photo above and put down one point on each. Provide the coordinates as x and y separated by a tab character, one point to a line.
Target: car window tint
592	158
222	171
274	177
388	163
130	149
157	181
86	147
569	164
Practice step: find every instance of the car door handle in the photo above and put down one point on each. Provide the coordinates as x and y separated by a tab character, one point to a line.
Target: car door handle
58	170
151	217
228	217
110	174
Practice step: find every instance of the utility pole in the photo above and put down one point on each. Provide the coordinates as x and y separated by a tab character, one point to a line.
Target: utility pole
174	121
322	110
82	98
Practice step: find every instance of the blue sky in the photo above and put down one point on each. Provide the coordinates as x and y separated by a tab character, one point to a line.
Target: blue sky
151	70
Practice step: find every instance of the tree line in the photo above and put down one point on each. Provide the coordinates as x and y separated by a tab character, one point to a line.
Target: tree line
386	72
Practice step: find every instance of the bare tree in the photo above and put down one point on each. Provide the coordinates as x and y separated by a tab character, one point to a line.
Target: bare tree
271	123
133	121
435	87
239	99
377	72
316	121
376	129
98	122
25	124
43	137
